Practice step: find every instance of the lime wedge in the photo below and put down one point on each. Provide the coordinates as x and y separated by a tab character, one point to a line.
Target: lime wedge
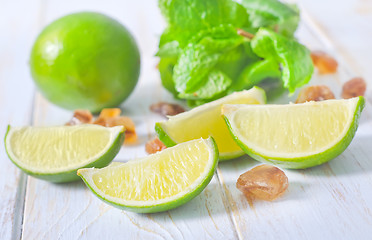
205	121
158	182
295	135
55	153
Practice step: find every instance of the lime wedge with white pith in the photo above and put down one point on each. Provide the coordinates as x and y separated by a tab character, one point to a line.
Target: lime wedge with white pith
158	182
295	135
55	153
205	121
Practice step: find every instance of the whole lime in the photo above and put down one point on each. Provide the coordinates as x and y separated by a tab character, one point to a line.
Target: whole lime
85	61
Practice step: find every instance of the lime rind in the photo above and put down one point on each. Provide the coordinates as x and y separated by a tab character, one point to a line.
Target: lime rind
163	136
311	160
165	204
95	63
169	142
161	128
70	175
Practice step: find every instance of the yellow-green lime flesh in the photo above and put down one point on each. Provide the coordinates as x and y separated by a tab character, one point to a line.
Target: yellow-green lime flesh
55	153
295	135
205	121
158	182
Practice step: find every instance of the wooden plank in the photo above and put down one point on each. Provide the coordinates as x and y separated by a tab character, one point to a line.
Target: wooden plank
346	31
326	202
70	211
331	201
17	28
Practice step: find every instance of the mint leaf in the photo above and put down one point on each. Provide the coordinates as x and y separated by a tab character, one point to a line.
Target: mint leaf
169	49
168	45
254	73
216	83
204	58
202	55
187	17
233	62
294	58
165	67
272	14
193	66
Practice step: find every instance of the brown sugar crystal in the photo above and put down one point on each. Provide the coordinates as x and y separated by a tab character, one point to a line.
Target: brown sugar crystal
354	88
154	145
109	113
263	182
109	117
130	128
325	63
166	109
80	117
105	114
315	93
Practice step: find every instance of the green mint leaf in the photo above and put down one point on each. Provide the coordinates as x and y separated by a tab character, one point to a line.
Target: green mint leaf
294	58
168	45
185	18
202	55
233	62
192	67
272	14
166	66
203	58
169	49
255	73
216	83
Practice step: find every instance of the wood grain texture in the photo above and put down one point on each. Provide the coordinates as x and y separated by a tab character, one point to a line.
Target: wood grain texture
16	101
332	201
346	28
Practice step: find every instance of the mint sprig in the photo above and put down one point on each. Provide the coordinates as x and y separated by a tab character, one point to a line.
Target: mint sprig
213	47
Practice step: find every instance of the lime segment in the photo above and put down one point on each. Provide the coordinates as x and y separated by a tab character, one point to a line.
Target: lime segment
157	182
295	135
205	121
55	153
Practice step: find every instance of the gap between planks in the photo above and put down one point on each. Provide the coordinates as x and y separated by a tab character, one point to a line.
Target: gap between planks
17	231
19	208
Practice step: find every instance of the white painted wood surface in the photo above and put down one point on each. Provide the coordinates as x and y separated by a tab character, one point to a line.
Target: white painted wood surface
332	201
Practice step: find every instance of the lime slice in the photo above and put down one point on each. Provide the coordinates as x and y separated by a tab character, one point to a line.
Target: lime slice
55	153
158	182
295	135
205	121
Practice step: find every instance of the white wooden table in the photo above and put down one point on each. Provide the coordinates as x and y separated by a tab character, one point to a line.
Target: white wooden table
332	201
